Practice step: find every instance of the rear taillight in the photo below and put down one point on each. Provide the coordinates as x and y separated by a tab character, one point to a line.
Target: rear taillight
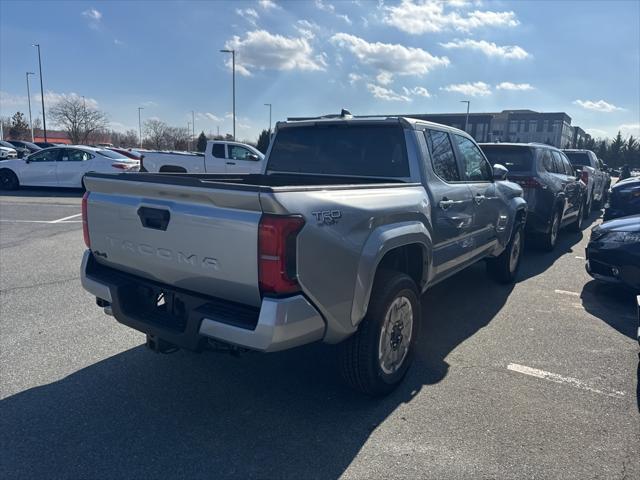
584	176
528	182
121	166
277	253
85	220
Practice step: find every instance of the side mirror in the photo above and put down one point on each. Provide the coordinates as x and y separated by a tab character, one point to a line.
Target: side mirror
26	159
253	156
500	172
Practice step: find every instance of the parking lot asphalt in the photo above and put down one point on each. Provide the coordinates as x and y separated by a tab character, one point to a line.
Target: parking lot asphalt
534	380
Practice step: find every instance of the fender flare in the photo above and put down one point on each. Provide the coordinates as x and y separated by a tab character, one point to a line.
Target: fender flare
382	240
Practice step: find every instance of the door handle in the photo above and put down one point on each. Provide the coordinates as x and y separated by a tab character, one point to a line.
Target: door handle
446	203
231	163
479	198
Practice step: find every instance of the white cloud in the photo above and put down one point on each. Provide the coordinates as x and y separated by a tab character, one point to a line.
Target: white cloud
417	92
9	100
388	57
344	17
514	86
118	42
268	4
92	14
490	49
149	103
421	16
388	94
384	78
261	50
630	129
354	78
306	28
476	89
249	14
596	132
599	106
327	7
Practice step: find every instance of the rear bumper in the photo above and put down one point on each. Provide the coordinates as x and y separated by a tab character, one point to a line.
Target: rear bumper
611	265
188	320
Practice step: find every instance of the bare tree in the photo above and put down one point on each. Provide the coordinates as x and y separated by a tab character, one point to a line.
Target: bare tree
155	132
177	138
79	121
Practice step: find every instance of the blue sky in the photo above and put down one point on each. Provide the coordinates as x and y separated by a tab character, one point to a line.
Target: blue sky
315	57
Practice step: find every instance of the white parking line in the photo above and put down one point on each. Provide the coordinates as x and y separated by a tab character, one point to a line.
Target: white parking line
580	258
565	292
66	218
40	221
554	377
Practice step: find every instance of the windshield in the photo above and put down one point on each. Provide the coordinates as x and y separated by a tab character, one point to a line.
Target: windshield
112	154
6	144
339	149
578	158
516	159
32	146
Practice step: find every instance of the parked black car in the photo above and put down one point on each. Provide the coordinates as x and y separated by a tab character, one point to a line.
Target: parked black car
613	252
624	199
22	152
32	147
555	196
46	144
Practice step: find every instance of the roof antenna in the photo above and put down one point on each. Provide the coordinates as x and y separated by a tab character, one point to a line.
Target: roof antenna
345	113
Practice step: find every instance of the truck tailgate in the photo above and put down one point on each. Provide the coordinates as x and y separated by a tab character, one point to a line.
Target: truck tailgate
202	239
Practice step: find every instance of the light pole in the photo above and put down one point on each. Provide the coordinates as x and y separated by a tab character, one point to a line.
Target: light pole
466	120
29	100
44	120
193	126
140	125
189	141
233	66
269	105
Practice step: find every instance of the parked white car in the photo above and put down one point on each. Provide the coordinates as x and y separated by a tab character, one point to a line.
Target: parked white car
6	152
218	157
62	167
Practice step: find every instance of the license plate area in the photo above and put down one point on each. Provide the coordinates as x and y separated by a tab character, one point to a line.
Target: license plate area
156	305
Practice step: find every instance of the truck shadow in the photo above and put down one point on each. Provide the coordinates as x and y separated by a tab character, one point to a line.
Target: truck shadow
55	192
286	415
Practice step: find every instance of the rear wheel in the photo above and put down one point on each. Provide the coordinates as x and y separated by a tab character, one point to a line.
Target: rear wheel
577	225
504	268
588	206
548	240
376	358
8	180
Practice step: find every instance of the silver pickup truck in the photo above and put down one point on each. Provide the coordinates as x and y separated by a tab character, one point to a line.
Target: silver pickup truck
351	220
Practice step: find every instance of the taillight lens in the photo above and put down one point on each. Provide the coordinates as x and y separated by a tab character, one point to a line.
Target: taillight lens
528	182
277	253
85	218
584	176
123	166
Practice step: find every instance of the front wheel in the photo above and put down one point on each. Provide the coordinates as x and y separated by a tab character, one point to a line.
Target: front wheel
376	358
548	240
577	225
504	268
8	180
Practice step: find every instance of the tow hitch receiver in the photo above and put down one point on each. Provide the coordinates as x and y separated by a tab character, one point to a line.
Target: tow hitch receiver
159	345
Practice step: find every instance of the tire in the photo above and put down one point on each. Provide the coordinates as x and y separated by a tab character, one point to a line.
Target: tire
360	360
8	180
577	225
588	207
548	240
504	268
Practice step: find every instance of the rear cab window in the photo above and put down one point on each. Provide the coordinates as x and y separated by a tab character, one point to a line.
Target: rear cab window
218	150
443	159
373	150
515	158
579	159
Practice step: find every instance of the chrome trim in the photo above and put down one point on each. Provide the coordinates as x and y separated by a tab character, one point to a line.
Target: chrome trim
98	289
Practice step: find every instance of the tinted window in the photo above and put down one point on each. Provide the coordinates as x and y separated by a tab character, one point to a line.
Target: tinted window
367	150
72	155
442	156
547	160
476	167
218	150
48	155
578	159
568	169
112	154
557	161
240	153
516	159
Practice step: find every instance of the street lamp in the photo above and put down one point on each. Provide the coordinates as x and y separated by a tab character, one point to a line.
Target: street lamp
29	99
269	105
233	65
193	126
44	120
140	125
189	141
466	120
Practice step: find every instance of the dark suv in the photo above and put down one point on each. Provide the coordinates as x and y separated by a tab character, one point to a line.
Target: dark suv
555	196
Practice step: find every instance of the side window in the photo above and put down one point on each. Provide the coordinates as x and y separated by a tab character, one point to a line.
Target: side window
239	153
48	155
72	155
557	161
568	169
218	150
547	160
442	157
476	167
